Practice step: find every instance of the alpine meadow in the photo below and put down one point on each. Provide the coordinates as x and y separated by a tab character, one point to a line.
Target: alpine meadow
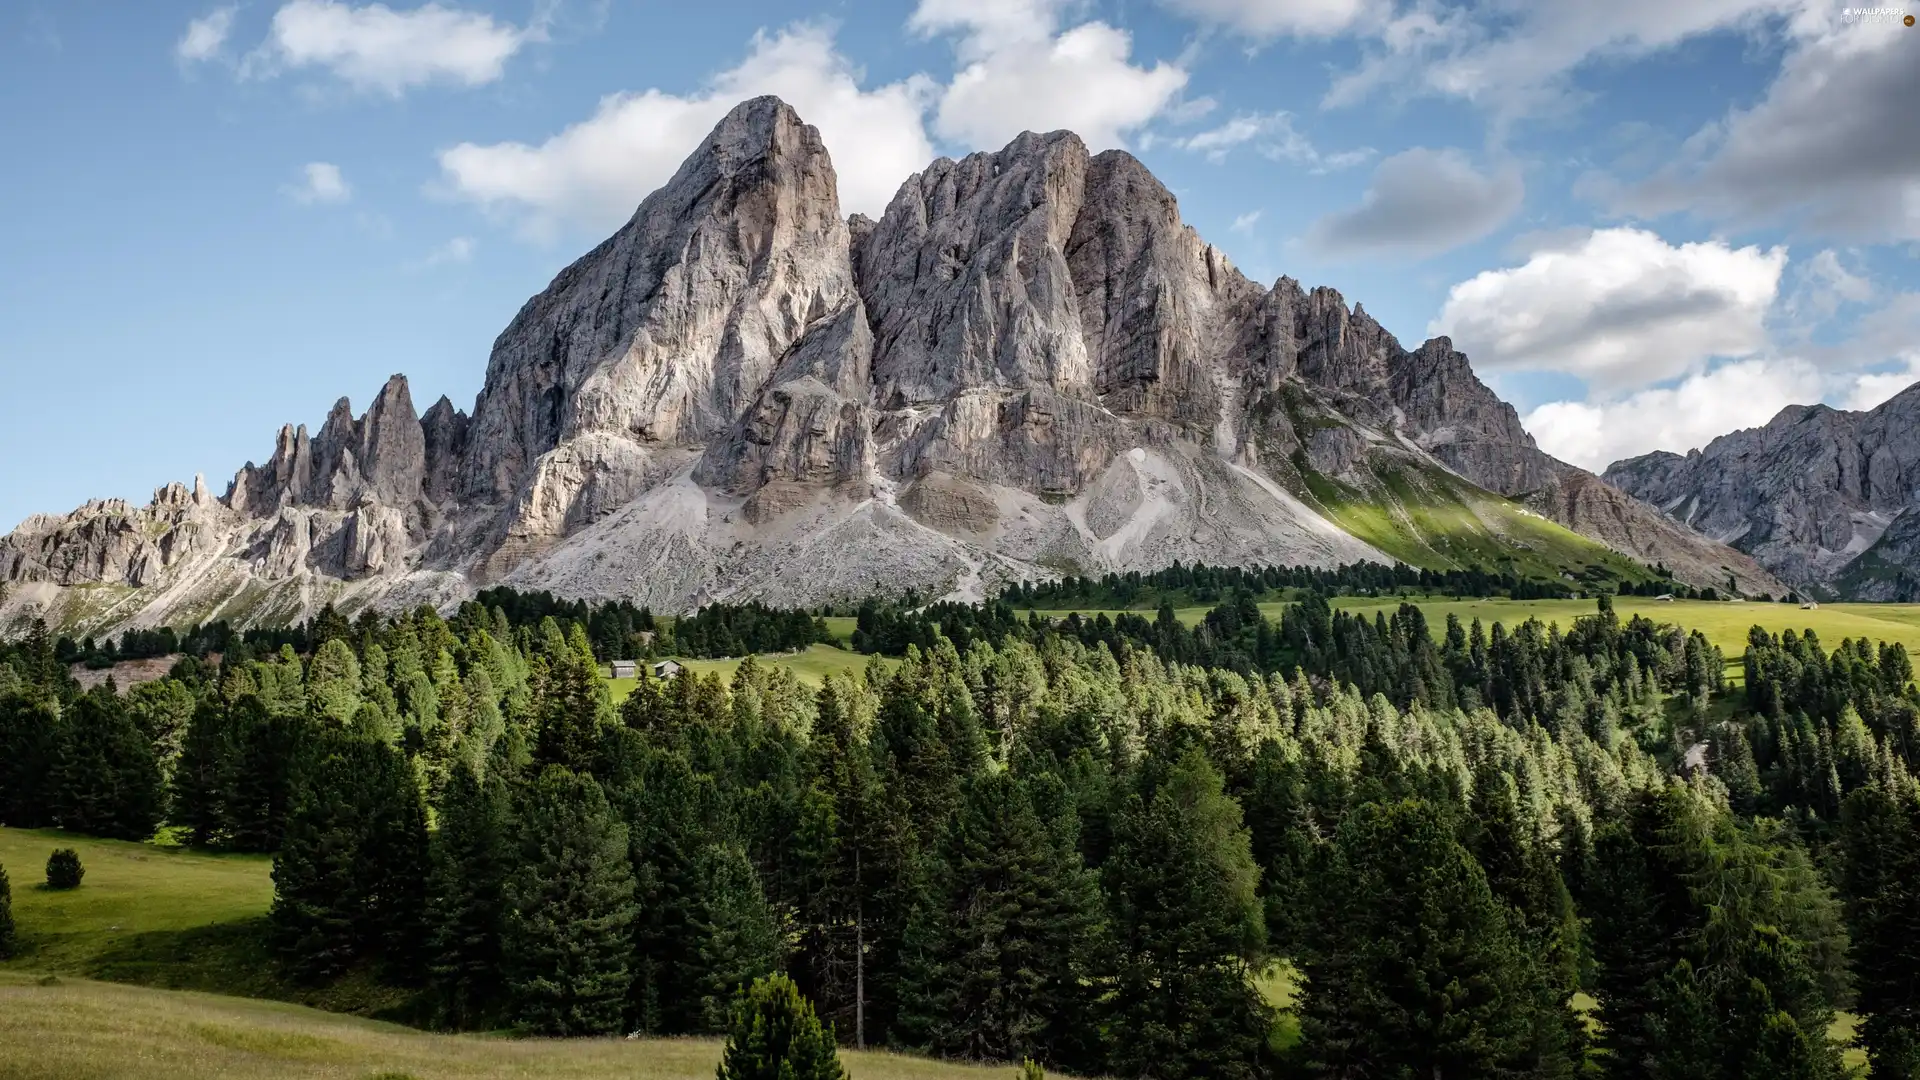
893	578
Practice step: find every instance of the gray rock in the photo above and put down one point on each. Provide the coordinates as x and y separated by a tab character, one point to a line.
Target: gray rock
1028	365
1806	495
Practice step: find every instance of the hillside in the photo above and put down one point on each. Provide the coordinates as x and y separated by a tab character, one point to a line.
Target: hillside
1028	366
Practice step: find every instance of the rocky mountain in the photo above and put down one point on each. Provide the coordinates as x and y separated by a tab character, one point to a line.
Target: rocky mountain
1027	366
1826	499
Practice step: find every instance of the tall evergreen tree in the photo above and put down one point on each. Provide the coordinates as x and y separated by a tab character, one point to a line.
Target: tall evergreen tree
737	934
350	879
1188	927
1008	977
570	907
8	935
1422	975
106	780
471	852
1880	874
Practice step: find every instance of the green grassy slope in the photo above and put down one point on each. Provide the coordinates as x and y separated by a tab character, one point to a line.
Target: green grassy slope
1430	518
74	1029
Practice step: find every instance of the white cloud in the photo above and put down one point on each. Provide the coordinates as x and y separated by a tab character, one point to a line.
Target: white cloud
1515	58
321	182
1833	145
593	174
1245	222
460	249
379	49
1018	75
1623	308
1823	285
1272	135
1263	19
205	35
1691	414
1422	202
1873	388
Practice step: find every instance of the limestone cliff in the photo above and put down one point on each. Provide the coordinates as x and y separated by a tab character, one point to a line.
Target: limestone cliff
1827	499
1028	365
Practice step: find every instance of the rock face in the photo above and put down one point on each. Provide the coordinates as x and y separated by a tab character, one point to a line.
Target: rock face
1826	499
1028	365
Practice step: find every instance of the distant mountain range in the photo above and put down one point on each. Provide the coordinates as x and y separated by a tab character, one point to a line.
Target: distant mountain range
1821	497
1028	366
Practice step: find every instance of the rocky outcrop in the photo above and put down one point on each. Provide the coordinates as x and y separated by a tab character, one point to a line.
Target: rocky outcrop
1807	495
1028	365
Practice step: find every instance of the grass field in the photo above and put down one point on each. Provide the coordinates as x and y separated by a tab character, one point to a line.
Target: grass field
811	666
74	1029
1724	623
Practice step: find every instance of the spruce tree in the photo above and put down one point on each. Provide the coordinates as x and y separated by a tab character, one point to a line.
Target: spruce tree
1188	927
774	1035
1880	874
8	937
1422	975
106	780
737	934
1015	915
350	879
565	945
471	852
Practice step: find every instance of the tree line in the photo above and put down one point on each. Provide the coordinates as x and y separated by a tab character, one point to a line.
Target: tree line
1063	841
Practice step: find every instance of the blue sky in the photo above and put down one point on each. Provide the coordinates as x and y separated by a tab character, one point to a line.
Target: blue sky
1647	222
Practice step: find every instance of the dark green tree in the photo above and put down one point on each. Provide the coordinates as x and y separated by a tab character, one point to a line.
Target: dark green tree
7	933
471	852
774	1035
1188	928
565	946
64	870
1421	975
1880	875
1014	914
350	880
737	934
106	780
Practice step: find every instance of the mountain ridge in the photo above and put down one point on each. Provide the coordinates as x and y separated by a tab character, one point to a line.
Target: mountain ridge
1826	498
1028	365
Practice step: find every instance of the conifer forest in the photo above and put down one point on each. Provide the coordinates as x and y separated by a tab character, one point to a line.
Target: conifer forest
1096	845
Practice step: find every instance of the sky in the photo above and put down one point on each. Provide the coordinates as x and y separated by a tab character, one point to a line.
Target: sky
1646	222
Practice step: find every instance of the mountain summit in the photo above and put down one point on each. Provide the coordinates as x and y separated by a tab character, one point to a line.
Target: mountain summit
1027	366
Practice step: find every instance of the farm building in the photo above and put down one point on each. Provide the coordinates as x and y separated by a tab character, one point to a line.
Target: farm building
625	669
666	669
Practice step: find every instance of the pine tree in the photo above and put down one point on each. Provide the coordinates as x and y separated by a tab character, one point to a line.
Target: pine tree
471	852
1422	975
1880	874
350	879
572	703
29	746
737	934
1015	915
106	781
774	1035
570	907
1188	927
7	934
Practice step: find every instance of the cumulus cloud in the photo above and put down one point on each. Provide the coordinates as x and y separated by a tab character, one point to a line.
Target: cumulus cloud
1700	408
1244	223
593	174
1273	136
1697	410
1873	388
1263	19
205	35
320	182
1516	58
1622	309
1020	72
1422	202
1832	146
375	48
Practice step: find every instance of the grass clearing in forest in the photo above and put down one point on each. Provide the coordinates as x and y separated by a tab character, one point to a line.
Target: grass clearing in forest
811	666
74	1029
1725	623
